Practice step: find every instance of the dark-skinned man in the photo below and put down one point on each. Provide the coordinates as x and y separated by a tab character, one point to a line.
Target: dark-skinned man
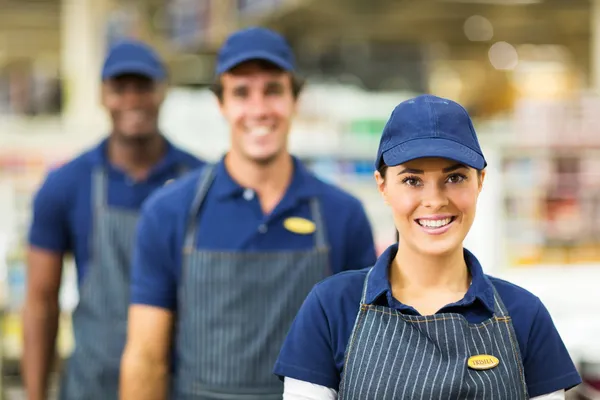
89	207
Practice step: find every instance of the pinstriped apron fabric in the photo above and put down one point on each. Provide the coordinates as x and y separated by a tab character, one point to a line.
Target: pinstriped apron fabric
395	356
235	309
100	318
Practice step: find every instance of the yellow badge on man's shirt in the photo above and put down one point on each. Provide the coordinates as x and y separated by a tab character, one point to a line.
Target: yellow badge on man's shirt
482	362
299	225
168	181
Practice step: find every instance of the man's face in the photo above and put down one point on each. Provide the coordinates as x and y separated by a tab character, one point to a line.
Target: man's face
133	102
259	104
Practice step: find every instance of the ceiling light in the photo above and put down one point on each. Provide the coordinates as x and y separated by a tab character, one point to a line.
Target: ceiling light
478	29
503	56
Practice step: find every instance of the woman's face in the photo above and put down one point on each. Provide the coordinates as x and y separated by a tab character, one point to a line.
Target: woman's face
433	201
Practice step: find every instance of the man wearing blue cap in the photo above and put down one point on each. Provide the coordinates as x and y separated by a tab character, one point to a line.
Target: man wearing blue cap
225	257
89	207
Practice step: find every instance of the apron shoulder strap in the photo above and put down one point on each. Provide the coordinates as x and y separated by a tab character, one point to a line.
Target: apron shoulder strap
99	187
499	307
206	178
317	216
363	297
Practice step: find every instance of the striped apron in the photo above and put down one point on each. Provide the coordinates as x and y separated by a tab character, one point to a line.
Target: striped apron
235	309
396	356
100	318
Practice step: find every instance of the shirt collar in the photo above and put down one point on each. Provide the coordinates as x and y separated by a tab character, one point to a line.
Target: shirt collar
303	185
173	157
481	288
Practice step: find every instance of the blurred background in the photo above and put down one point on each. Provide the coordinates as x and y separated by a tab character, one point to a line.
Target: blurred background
528	71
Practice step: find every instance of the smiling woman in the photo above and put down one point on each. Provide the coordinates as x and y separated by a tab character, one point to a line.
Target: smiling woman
425	321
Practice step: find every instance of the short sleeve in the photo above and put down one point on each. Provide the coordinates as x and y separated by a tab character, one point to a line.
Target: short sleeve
360	245
49	227
307	353
548	366
153	276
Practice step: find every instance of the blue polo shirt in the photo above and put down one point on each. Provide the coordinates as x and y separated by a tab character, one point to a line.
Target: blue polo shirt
62	206
231	219
315	347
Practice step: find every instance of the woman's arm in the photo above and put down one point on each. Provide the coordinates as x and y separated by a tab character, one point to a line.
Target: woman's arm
308	354
559	395
547	362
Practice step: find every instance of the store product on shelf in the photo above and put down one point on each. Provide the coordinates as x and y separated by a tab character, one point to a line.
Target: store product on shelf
551	189
21	172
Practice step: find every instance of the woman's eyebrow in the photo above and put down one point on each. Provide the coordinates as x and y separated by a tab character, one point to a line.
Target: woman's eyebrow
420	171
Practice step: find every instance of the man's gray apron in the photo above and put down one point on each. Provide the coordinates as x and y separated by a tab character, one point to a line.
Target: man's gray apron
100	318
235	309
395	356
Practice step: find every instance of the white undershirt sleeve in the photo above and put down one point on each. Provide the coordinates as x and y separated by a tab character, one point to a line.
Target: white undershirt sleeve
294	389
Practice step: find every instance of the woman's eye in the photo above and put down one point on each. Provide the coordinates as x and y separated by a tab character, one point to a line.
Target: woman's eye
456	178
411	181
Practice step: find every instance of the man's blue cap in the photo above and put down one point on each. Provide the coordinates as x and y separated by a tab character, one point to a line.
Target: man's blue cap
255	44
133	57
429	126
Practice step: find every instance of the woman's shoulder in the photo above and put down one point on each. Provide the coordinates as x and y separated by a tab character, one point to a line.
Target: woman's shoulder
346	282
341	293
316	343
548	365
521	305
509	290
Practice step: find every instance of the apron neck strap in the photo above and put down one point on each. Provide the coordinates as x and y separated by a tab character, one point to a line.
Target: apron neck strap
499	307
99	187
317	216
206	178
363	298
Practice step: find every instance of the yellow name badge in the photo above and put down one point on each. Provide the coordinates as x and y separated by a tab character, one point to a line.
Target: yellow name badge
299	225
168	181
482	362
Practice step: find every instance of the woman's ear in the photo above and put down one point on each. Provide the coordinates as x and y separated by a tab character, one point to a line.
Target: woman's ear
481	176
380	180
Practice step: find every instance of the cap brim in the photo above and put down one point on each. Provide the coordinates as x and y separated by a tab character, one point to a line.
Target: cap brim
132	68
254	55
434	148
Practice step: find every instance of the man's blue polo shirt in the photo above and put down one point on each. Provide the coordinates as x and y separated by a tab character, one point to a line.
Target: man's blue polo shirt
315	347
231	219
62	207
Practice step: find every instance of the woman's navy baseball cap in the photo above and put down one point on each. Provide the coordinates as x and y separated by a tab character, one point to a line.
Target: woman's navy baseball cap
429	126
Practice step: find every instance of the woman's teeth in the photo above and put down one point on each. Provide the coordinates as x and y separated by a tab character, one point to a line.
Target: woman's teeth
434	223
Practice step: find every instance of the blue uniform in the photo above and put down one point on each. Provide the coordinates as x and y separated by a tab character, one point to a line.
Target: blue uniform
62	207
235	277
91	208
232	220
316	349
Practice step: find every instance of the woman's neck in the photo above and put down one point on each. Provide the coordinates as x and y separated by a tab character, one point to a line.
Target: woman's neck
426	282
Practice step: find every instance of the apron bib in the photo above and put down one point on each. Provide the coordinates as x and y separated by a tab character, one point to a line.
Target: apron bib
100	318
395	356
235	309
